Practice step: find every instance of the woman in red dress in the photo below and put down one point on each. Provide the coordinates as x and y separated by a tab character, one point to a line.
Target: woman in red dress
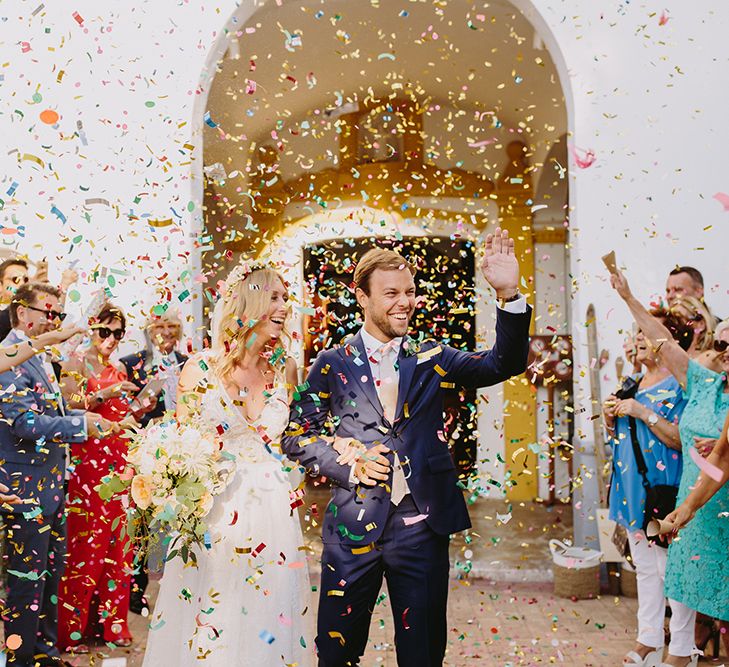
93	599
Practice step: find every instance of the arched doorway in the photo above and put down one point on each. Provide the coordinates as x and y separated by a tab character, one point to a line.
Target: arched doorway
425	126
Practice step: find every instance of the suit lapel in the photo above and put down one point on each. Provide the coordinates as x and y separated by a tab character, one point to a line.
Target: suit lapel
34	362
37	365
406	367
356	359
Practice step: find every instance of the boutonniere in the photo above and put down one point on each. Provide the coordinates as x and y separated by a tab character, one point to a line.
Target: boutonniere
411	346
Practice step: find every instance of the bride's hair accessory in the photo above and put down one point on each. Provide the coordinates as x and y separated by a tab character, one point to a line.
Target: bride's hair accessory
241	272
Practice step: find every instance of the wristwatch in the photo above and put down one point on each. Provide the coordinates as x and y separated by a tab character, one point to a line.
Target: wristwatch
516	296
653	419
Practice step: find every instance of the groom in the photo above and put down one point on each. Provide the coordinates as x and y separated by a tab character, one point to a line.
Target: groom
393	510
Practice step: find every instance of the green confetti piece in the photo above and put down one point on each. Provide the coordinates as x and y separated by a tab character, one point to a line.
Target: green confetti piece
149	104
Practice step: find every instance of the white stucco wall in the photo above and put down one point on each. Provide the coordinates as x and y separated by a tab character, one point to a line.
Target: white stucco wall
649	100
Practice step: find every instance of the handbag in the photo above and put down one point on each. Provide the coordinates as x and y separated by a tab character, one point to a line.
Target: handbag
660	500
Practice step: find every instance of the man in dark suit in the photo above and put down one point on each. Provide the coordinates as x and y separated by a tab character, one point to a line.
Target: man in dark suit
34	431
160	359
393	509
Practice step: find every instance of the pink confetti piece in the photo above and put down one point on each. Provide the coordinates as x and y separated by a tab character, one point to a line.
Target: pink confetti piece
709	468
663	19
583	158
723	199
410	520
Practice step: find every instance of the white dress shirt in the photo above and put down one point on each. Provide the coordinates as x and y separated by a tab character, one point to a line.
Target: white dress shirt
382	358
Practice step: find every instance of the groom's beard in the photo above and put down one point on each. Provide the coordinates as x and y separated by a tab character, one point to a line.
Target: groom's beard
383	323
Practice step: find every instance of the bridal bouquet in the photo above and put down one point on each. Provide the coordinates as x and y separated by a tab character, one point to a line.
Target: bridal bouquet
173	472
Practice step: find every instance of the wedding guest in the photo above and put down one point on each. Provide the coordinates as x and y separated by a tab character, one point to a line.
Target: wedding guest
34	428
644	417
160	359
684	281
14	272
99	565
695	559
706	486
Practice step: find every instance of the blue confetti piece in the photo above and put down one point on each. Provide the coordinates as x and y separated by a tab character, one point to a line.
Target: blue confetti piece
209	121
267	637
13	187
59	214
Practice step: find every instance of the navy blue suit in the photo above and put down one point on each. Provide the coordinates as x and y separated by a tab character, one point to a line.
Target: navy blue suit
34	430
365	536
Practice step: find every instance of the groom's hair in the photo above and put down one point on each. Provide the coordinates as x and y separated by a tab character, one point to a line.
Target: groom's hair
378	258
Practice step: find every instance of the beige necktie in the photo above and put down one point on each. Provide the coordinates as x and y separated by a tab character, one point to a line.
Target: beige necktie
388	399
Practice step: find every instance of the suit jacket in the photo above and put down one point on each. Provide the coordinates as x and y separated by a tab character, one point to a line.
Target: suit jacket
34	430
137	371
340	396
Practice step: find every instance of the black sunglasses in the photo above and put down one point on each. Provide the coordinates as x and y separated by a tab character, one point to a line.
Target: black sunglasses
721	345
50	314
105	332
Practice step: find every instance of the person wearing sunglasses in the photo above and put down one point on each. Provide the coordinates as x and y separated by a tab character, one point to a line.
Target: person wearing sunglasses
35	428
14	273
696	561
98	549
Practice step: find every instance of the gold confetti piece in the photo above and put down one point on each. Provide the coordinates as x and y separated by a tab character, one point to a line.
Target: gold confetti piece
358	551
335	593
337	635
448	385
160	223
371	526
406	411
440	371
33	158
424	356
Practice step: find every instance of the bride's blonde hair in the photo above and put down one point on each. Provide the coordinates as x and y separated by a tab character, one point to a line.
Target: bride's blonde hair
246	298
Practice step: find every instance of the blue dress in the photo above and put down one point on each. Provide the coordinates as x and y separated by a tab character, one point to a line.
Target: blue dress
627	495
697	572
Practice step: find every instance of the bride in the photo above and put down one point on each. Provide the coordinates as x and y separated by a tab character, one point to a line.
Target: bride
246	601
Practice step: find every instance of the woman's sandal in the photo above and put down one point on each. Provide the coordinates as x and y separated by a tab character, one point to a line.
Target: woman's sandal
78	649
122	643
652	659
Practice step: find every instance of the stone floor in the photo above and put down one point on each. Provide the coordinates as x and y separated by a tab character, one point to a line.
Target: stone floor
489	625
502	611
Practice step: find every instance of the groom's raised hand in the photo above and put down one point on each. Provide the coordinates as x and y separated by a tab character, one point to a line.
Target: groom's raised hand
500	266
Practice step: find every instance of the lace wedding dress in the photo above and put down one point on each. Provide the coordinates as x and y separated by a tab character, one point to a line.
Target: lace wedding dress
246	602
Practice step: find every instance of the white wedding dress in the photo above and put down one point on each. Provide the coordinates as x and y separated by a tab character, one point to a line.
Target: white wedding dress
246	603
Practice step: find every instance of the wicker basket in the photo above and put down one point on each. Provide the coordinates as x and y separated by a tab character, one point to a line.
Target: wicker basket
576	583
628	582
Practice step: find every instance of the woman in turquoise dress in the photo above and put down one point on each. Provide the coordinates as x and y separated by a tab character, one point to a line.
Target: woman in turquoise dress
697	573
